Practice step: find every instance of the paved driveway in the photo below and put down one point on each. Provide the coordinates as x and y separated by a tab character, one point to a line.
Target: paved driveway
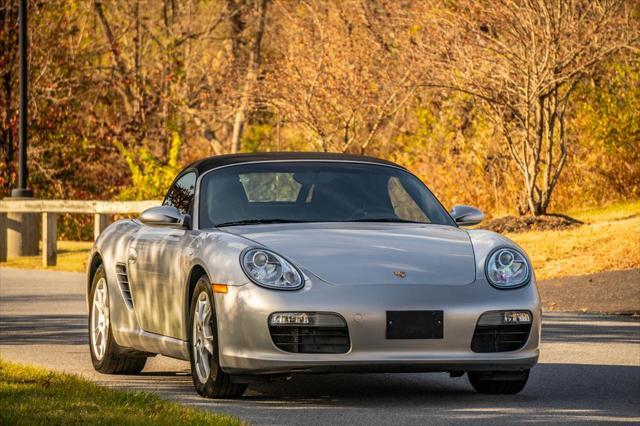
589	370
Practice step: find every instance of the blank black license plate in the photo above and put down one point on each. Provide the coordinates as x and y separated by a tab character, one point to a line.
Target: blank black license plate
415	324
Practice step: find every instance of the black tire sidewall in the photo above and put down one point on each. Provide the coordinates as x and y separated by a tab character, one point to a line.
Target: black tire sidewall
498	387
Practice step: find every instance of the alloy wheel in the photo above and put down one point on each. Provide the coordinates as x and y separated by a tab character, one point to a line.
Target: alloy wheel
100	319
202	339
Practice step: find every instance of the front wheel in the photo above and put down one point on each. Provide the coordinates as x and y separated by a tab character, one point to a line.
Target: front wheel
209	379
498	383
106	355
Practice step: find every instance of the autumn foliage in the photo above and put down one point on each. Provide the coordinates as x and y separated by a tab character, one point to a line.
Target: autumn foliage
511	105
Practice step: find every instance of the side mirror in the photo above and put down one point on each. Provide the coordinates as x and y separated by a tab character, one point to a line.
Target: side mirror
466	215
165	216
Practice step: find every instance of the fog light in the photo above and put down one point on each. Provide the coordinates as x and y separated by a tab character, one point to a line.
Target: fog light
317	319
505	318
289	318
516	317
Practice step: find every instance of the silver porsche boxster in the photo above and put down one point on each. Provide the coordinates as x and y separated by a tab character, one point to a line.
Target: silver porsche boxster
259	266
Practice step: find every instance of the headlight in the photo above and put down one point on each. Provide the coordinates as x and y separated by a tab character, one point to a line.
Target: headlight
507	268
270	270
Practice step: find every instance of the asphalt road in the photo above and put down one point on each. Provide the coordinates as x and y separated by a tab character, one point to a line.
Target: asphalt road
589	370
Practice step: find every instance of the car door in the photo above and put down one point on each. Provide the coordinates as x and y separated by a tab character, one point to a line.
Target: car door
157	268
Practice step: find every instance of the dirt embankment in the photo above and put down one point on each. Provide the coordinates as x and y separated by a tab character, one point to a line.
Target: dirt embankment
516	224
612	292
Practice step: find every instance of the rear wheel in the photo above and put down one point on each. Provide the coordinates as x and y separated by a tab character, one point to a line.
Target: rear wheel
105	352
498	382
209	379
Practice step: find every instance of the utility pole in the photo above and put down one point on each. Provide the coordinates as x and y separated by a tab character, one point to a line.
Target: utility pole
23	173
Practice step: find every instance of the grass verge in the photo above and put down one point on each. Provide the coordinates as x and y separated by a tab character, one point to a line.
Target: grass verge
588	249
72	256
30	395
613	212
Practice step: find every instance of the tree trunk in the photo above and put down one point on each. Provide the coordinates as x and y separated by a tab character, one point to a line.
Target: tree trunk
545	155
250	80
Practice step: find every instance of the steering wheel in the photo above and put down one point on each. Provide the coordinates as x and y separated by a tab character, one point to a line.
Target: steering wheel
374	212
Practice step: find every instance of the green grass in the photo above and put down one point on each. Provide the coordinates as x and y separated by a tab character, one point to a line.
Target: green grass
31	396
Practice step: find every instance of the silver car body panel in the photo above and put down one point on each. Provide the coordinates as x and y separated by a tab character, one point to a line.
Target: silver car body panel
348	269
369	253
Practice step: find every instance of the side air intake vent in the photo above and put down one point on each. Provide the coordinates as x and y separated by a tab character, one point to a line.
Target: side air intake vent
123	281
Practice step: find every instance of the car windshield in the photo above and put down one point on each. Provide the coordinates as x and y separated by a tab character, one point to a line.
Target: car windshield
283	192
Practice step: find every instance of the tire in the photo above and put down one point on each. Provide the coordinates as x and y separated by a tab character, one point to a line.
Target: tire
498	383
106	355
208	378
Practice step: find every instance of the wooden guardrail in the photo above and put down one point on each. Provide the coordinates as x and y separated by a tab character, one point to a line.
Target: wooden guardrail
50	209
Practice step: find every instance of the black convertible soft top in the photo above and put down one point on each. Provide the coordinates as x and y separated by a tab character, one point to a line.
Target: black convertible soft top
224	160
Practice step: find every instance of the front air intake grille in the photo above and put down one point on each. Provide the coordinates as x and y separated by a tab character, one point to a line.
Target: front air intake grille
123	281
306	339
500	338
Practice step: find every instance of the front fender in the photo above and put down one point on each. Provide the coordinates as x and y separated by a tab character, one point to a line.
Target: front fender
110	247
218	253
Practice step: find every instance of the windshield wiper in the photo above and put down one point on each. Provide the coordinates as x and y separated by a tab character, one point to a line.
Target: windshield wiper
257	222
384	219
267	221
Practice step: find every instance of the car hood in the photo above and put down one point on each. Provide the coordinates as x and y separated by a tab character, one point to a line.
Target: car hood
371	253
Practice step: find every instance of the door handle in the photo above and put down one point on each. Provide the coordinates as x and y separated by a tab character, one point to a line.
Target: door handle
133	255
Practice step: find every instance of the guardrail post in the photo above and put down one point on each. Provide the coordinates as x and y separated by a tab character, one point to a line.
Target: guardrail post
3	237
100	222
22	234
49	239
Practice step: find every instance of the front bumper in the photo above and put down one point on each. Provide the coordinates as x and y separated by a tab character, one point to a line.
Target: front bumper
246	346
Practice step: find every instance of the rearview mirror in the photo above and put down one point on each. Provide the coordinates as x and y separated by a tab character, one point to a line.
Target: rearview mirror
467	215
165	216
